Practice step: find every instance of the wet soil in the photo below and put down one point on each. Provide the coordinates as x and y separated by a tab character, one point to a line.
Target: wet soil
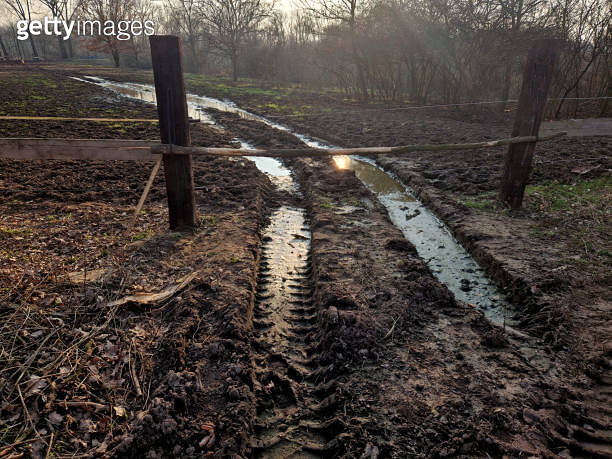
377	359
554	263
89	377
416	373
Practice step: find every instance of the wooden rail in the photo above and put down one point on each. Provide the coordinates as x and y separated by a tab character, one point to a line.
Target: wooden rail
145	150
67	149
72	118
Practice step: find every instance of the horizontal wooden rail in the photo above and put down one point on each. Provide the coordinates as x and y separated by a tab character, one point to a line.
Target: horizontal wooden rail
70	118
295	152
103	150
146	150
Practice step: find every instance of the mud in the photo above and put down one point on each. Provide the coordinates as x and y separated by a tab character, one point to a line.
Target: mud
190	355
362	354
417	373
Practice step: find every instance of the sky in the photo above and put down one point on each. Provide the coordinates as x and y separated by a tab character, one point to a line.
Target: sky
284	5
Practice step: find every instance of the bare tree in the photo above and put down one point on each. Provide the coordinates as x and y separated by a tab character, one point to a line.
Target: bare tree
3	49
59	9
231	22
185	17
586	27
23	10
114	11
345	12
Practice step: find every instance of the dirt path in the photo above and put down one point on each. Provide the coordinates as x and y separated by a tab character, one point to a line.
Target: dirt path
355	351
534	374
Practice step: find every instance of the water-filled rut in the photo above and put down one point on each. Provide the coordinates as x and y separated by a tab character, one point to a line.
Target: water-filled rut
294	408
286	323
449	261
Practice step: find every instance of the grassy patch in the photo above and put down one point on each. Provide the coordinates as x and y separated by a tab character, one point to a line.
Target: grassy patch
327	204
558	197
483	202
208	220
578	212
139	236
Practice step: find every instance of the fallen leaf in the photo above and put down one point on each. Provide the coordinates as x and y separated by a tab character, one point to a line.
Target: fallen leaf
55	418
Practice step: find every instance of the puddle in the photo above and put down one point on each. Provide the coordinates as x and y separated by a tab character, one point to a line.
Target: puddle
196	104
448	260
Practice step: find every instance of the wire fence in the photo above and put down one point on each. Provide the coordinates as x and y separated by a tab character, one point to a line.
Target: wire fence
363	109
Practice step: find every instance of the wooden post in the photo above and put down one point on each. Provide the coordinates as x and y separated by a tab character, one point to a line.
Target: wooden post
174	128
536	80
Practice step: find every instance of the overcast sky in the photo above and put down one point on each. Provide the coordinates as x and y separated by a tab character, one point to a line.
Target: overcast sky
6	17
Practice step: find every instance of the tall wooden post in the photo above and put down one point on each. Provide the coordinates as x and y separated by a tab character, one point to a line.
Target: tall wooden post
536	80
174	128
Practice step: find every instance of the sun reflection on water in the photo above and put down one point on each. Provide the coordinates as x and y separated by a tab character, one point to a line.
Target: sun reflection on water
342	162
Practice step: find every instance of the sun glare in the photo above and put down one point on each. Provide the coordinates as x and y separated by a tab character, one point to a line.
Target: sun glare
342	162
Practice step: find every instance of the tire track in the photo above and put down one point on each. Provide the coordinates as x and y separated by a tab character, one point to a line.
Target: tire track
294	412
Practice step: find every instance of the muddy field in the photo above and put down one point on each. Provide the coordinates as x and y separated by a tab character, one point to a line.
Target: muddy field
377	358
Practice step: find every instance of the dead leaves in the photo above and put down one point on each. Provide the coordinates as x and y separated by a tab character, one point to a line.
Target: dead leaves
209	440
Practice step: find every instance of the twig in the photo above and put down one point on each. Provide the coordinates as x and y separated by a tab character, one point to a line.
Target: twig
5	451
133	373
27	414
50	445
84	404
145	193
90	335
390	332
27	364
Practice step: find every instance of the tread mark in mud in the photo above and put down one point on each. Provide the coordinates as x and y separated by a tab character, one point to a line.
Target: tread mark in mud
592	437
293	412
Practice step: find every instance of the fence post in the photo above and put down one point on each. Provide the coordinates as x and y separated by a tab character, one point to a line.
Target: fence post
174	128
536	80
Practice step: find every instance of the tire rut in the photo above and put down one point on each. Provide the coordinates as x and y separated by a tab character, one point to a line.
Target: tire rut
593	437
295	411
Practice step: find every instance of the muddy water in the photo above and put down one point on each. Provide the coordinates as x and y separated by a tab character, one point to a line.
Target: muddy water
449	261
435	244
197	105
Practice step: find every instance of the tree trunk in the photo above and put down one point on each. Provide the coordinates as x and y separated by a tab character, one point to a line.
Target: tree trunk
505	94
70	49
116	56
33	45
62	47
363	88
3	48
194	55
234	59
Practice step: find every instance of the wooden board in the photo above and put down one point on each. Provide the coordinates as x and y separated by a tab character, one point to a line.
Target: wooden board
79	149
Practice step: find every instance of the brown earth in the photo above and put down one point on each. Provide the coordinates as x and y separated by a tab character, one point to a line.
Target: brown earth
81	374
428	377
400	367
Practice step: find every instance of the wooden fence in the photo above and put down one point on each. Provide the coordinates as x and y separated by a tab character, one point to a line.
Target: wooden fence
175	150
